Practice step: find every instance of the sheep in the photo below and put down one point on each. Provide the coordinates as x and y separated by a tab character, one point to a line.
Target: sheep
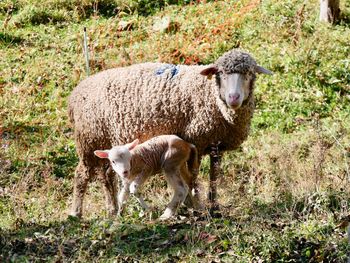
149	99
135	163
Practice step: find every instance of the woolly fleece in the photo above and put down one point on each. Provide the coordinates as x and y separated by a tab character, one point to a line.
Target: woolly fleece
119	105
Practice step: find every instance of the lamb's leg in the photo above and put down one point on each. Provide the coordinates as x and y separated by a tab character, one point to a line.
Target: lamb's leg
134	189
180	192
192	198
215	160
109	182
82	176
123	196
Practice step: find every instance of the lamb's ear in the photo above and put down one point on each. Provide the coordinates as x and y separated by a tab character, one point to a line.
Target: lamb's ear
209	71
261	70
101	154
132	145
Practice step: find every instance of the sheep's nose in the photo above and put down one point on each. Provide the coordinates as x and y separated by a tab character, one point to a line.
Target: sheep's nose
234	96
233	100
125	173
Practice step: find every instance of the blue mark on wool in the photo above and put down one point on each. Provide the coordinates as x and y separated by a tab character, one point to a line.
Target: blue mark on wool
172	69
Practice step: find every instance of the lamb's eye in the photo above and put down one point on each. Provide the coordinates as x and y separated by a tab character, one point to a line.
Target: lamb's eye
121	156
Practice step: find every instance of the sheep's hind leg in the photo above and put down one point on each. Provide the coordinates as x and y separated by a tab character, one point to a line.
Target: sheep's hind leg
180	192
82	176
215	160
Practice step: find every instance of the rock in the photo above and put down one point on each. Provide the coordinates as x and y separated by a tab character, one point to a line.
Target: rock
125	25
165	25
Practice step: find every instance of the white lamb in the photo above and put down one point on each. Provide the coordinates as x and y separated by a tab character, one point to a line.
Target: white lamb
134	163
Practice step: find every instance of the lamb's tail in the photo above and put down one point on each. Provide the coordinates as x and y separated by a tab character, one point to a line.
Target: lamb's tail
193	164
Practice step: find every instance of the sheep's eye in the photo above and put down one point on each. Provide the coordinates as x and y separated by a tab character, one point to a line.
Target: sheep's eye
222	75
121	156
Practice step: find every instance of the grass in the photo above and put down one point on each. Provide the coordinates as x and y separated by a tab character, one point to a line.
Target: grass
284	194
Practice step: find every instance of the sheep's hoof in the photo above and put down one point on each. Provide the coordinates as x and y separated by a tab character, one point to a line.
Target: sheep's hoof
192	201
74	214
112	213
189	202
197	205
72	218
214	211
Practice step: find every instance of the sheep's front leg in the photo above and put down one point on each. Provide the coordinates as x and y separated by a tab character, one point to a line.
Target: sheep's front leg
215	160
83	173
123	196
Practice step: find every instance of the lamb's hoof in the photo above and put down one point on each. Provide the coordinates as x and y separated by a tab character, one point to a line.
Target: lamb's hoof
164	218
166	215
120	212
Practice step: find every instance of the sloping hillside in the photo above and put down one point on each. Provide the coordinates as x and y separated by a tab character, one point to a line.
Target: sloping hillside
285	194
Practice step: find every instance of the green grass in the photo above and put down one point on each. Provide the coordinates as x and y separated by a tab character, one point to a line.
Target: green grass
283	193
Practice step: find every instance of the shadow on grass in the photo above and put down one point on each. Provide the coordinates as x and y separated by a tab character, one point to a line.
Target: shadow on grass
267	228
344	19
73	238
8	39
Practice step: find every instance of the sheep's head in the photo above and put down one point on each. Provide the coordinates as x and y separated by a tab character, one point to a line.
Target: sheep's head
120	157
235	73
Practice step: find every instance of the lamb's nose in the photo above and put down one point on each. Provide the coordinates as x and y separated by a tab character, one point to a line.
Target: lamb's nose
125	173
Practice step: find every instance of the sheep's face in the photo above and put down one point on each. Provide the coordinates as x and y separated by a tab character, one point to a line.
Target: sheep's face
119	157
235	88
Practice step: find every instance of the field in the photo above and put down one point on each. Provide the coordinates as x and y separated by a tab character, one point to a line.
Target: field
284	194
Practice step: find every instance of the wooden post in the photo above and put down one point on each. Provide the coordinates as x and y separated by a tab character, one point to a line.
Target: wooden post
329	10
86	51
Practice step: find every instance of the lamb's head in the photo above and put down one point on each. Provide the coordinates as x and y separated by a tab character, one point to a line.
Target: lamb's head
235	73
120	157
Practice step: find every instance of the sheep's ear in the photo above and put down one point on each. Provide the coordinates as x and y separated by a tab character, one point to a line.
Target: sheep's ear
101	154
261	70
132	145
209	72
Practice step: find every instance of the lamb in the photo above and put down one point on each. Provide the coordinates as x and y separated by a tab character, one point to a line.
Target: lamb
149	99
135	163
